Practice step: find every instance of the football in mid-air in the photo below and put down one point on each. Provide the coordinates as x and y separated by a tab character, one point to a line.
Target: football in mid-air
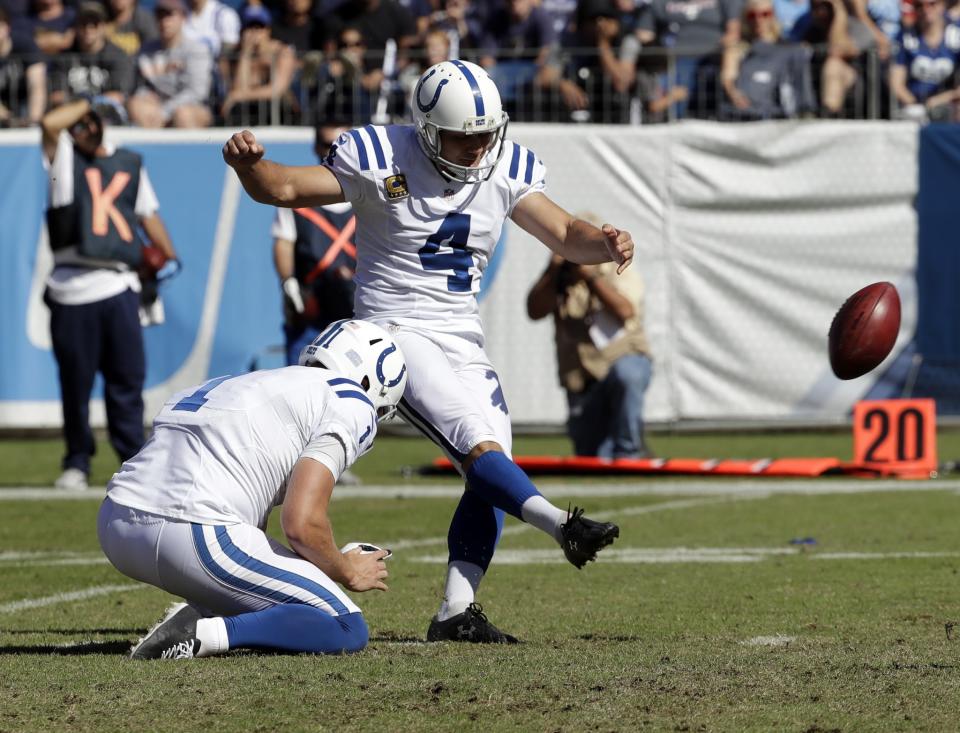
864	330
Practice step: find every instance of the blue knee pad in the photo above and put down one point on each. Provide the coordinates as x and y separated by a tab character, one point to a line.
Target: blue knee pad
500	482
296	627
474	531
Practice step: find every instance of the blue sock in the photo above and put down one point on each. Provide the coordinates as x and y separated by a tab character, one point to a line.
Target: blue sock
297	628
501	482
474	530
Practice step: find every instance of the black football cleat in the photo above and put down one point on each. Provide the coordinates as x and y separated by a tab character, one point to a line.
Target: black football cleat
175	637
472	626
582	538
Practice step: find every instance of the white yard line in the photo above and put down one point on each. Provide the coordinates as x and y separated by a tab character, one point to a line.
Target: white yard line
625	511
641	486
685	555
79	595
775	640
51	558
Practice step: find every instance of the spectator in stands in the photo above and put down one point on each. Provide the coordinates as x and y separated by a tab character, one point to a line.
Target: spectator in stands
829	25
296	26
377	22
463	20
420	11
101	200
609	73
262	71
350	82
130	26
92	67
214	24
602	353
23	77
175	75
52	24
696	31
764	78
519	50
923	76
562	14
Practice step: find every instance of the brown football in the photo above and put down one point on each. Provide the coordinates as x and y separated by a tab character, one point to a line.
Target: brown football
864	330
151	260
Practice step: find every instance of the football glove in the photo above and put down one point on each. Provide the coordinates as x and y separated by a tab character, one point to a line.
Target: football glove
291	292
169	269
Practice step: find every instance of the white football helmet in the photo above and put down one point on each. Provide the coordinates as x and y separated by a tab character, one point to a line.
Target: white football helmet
459	96
366	354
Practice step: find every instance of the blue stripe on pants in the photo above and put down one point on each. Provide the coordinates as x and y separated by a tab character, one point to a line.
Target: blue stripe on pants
251	563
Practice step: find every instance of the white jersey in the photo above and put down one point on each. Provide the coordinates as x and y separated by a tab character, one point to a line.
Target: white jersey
222	453
423	241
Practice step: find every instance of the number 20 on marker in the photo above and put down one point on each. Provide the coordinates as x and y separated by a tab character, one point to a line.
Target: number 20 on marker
899	435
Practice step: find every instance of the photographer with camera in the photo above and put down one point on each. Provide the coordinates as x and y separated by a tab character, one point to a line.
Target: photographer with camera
602	353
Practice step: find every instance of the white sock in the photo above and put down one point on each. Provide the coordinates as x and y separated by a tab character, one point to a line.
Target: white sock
463	579
543	515
212	634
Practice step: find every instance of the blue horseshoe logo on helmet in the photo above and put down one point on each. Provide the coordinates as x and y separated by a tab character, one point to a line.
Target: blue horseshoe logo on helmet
383	377
436	94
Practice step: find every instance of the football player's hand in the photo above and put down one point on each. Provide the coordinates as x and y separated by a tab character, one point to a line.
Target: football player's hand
619	245
367	570
242	150
291	292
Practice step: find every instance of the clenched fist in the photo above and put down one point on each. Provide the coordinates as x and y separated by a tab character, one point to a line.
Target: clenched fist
242	150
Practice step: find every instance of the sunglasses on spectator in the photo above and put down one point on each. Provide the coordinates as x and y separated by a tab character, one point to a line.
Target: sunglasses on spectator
352	44
87	122
762	13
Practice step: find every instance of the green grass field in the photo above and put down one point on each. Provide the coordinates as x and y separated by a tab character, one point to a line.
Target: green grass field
702	617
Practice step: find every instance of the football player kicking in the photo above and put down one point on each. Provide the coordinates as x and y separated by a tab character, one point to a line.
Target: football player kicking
430	201
187	513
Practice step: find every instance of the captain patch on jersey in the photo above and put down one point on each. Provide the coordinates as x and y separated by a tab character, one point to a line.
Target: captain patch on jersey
396	186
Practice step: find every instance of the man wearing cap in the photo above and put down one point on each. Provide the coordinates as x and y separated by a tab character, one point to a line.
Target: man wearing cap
175	75
100	202
93	66
262	70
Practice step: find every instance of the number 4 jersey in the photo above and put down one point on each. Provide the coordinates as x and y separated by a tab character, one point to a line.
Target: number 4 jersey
222	452
423	241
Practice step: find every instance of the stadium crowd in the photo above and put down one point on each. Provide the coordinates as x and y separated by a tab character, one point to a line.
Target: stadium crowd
194	63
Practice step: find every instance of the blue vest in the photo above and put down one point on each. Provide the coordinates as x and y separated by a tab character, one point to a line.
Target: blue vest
323	280
101	221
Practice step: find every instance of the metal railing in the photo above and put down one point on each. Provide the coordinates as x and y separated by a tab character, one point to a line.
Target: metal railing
317	93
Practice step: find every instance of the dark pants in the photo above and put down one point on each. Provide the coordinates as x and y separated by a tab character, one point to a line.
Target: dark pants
606	420
104	336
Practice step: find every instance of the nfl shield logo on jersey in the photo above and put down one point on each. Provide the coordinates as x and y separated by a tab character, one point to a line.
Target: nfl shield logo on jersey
396	186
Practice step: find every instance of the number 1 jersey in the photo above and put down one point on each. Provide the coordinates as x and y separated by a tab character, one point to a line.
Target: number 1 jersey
423	241
222	452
